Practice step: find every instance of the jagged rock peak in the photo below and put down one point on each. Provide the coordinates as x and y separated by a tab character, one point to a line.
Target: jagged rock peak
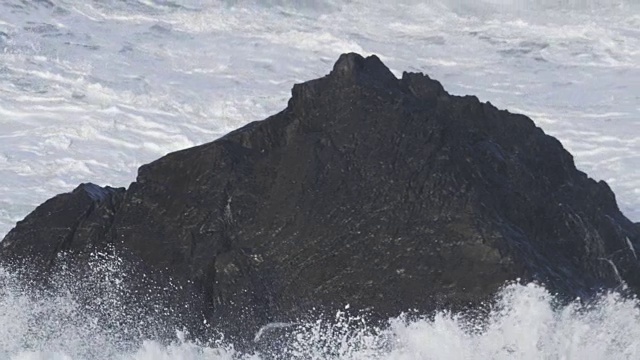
355	66
350	69
353	71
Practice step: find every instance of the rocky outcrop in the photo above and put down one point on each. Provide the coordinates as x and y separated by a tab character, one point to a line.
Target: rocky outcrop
79	222
386	194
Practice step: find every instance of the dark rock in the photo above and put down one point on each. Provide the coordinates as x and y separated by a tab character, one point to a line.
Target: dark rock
386	194
79	222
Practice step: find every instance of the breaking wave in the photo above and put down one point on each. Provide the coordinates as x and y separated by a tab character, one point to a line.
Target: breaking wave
95	318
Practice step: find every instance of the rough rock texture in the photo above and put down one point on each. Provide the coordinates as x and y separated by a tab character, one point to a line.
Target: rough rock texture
79	222
386	194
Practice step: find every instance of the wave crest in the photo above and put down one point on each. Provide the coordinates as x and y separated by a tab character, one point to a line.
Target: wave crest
96	318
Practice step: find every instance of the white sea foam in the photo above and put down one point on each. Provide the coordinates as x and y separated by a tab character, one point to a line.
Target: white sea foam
526	322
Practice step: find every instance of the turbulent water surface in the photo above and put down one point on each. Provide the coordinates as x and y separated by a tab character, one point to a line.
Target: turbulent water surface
524	324
90	90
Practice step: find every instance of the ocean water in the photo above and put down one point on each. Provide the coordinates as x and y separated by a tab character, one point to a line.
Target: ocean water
526	322
92	89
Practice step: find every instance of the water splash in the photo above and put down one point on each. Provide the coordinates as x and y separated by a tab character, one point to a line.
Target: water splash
525	322
93	312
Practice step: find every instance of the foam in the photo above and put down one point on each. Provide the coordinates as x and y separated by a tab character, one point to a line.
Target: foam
525	323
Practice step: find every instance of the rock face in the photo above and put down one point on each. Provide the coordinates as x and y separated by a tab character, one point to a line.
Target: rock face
386	194
79	222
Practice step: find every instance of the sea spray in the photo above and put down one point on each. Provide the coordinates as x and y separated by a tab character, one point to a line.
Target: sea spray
524	322
95	311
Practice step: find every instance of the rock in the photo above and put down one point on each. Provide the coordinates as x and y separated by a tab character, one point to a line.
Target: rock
386	194
79	222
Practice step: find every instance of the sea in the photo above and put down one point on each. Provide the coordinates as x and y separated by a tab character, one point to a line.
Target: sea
92	89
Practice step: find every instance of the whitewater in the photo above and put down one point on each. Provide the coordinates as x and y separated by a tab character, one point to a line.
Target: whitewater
90	90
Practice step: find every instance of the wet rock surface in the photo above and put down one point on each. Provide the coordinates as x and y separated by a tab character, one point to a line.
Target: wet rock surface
386	194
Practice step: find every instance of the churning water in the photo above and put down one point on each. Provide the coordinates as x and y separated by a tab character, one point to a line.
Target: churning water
524	323
90	90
